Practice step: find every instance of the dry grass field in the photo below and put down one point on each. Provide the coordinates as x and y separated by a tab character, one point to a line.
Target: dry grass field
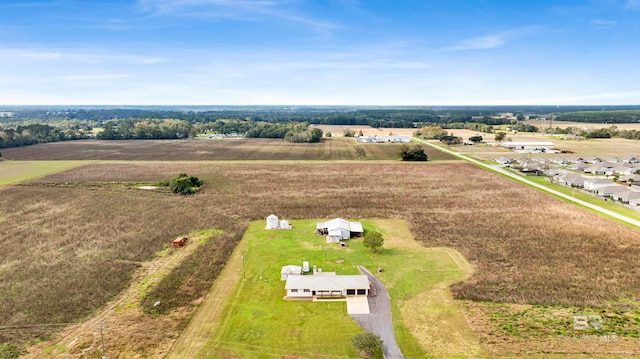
583	125
208	150
72	240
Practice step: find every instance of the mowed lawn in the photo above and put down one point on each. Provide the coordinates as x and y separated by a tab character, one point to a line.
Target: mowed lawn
258	323
253	149
17	171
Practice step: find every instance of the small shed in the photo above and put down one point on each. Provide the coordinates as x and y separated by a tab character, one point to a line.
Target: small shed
179	242
272	221
290	270
284	224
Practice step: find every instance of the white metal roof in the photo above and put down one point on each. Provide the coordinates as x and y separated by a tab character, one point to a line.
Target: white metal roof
327	282
291	269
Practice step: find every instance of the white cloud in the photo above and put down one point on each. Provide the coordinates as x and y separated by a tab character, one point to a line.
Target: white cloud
239	10
478	43
602	24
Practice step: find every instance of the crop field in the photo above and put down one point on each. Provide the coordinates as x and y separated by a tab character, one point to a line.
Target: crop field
208	150
583	125
83	232
19	171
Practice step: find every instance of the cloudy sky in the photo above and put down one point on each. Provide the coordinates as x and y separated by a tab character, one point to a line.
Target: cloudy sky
320	52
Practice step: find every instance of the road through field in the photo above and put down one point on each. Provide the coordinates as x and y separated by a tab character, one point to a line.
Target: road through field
497	168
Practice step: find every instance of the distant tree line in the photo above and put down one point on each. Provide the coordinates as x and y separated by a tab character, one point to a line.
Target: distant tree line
618	116
34	134
132	129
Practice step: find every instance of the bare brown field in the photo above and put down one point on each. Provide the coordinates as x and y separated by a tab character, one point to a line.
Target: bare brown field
208	150
583	125
338	130
72	240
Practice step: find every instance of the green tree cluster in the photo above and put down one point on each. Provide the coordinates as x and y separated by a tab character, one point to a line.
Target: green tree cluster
415	153
138	129
431	132
35	133
366	343
185	184
373	240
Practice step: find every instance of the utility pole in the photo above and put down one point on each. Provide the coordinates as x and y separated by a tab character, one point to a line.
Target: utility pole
102	340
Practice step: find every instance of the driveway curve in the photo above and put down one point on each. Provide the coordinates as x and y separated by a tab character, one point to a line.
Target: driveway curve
379	321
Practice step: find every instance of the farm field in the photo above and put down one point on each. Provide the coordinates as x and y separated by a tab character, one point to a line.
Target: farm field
583	125
252	323
254	149
599	147
526	247
19	171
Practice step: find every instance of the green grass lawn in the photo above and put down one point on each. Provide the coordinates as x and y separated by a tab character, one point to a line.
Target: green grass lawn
12	172
258	323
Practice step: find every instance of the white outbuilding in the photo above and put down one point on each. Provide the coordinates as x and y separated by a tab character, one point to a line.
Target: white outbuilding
284	224
272	221
286	271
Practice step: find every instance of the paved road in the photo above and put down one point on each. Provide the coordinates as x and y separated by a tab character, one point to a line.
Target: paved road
512	175
379	321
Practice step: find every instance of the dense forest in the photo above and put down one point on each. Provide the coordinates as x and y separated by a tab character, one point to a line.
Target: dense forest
618	116
21	126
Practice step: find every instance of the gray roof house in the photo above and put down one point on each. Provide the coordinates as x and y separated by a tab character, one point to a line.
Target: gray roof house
571	179
593	183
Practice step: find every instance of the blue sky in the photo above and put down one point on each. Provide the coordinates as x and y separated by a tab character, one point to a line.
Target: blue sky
332	52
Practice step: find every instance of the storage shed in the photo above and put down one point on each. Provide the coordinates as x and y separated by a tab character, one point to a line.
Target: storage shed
290	270
284	224
272	221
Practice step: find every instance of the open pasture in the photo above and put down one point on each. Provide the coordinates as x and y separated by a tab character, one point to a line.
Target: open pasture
79	241
209	150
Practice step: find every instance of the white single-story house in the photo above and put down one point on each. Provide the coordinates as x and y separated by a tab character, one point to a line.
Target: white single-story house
614	191
529	146
600	168
272	221
634	198
571	179
593	183
630	179
289	271
339	229
579	166
327	284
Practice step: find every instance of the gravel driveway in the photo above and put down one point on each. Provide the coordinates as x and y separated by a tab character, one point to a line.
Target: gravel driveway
379	321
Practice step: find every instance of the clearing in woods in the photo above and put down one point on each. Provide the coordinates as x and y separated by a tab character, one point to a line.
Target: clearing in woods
248	318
